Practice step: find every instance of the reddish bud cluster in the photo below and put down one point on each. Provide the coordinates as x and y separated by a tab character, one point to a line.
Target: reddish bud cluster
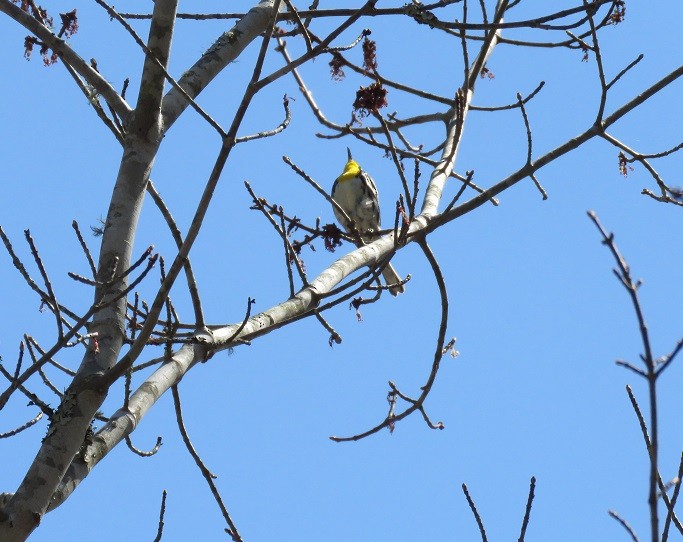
356	304
332	237
38	12
336	67
485	72
619	13
369	55
370	99
69	28
401	211
585	53
624	167
69	24
30	41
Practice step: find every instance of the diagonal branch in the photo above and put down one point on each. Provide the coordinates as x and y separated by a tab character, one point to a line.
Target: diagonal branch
457	120
68	55
227	48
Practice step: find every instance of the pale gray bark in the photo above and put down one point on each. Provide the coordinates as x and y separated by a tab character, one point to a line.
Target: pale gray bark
61	465
224	50
85	396
47	483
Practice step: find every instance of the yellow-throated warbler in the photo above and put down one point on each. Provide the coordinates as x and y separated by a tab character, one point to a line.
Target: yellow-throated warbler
356	193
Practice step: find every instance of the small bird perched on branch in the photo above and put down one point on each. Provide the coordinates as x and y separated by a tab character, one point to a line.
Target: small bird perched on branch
355	192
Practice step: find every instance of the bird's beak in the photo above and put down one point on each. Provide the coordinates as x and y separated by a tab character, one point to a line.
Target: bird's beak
349	153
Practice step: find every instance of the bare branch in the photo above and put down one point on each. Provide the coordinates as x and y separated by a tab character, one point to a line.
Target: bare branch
187	266
456	122
23	427
142	453
290	253
397	163
667	194
625	525
525	100
85	249
631	367
15	385
160	65
527	511
556	153
666	360
206	473
672	504
274	131
114	125
162	511
68	55
417	404
224	50
477	517
300	24
520	102
623	72
51	301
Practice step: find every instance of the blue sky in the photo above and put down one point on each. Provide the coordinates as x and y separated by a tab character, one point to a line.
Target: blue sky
539	317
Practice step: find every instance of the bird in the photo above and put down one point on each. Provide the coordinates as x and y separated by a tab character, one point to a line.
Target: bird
355	192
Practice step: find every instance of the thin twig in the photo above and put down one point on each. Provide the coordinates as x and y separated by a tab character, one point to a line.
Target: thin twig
623	272
142	453
335	338
85	249
187	266
52	303
44	407
625	525
129	442
162	511
61	343
351	45
23	427
672	504
206	473
247	315
43	376
138	40
417	404
50	361
623	72
643	159
91	95
300	24
520	102
397	163
509	106
527	511
666	360
477	517
290	253
274	131
631	367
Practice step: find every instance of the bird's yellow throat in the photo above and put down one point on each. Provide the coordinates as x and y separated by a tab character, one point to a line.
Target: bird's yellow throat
351	170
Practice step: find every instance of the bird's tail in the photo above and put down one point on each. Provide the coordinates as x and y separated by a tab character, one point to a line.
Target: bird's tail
393	280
